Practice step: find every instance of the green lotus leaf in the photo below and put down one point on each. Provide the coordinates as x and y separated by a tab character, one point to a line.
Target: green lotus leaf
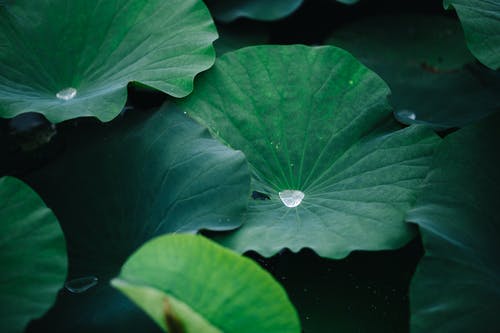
190	284
437	82
32	257
457	283
230	10
119	185
481	22
317	130
72	58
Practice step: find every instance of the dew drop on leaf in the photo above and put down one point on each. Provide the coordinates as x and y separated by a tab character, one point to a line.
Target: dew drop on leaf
405	116
291	198
66	94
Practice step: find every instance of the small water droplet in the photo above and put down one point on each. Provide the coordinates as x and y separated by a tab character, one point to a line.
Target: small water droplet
407	115
80	285
66	94
351	82
291	198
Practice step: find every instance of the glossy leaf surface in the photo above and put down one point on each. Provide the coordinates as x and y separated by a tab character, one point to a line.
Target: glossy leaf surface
32	256
317	130
203	287
481	22
73	58
146	174
457	283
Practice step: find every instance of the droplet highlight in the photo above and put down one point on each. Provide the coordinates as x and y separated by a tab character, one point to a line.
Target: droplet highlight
403	115
66	94
81	285
291	198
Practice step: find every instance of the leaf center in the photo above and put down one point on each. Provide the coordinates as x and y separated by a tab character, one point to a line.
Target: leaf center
291	198
66	94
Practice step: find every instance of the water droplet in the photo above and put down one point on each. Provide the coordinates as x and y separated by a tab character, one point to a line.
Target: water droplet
66	94
405	116
80	285
351	82
291	198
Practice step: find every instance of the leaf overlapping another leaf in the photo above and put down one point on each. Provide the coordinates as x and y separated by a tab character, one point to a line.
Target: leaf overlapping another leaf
481	22
204	287
74	58
457	283
314	120
143	175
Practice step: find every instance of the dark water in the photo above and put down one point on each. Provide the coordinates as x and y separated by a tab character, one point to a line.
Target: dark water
365	292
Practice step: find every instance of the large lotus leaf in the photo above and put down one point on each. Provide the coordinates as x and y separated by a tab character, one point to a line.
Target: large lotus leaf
457	283
117	186
427	65
481	22
32	256
317	130
72	58
192	282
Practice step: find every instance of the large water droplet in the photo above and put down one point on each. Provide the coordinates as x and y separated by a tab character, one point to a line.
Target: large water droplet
291	198
66	94
80	285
